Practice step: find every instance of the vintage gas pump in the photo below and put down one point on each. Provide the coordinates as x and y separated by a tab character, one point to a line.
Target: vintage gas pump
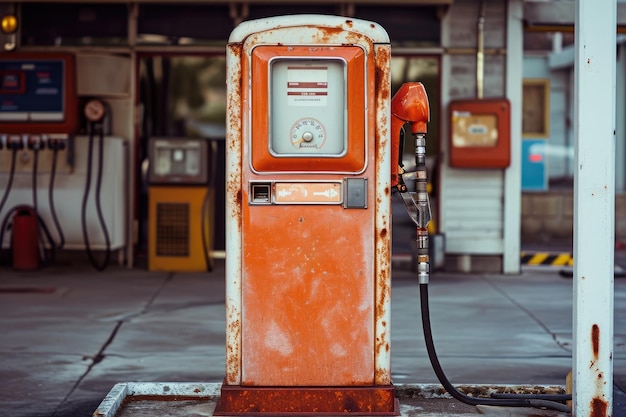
181	200
308	218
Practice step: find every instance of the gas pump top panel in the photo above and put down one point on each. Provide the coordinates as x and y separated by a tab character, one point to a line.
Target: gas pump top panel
308	108
180	161
37	93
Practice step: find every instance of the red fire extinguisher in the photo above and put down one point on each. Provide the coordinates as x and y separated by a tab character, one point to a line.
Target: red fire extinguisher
25	238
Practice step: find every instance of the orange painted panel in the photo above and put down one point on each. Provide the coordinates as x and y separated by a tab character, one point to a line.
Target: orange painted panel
308	295
354	158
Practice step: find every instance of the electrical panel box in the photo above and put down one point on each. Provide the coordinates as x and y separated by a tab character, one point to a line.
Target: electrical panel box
480	133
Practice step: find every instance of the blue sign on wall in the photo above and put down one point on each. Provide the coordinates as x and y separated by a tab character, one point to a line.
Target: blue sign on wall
534	172
32	90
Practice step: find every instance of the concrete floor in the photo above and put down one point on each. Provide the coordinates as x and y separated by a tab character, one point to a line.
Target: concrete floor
70	333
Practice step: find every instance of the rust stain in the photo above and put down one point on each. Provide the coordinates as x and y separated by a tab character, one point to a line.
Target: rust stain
382	94
306	400
383	374
599	408
595	340
383	56
325	34
232	352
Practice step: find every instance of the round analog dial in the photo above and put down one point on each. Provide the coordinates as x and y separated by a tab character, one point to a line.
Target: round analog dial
94	110
308	134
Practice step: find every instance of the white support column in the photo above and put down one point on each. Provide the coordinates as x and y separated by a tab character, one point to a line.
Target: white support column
513	175
594	206
620	122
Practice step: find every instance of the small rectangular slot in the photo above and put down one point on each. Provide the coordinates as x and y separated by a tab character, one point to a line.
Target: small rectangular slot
261	194
356	193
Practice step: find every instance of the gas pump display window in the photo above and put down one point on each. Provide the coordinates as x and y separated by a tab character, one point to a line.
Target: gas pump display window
308	107
177	161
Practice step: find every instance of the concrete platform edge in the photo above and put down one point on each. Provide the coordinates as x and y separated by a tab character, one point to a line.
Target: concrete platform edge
115	398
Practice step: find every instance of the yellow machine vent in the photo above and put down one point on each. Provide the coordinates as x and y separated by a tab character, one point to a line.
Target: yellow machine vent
172	229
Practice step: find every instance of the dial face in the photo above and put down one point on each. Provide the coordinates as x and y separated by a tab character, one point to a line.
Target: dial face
308	133
94	110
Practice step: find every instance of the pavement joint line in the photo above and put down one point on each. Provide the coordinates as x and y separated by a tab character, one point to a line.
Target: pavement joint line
528	313
99	357
96	359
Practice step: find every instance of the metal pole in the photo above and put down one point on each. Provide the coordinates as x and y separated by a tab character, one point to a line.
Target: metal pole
594	206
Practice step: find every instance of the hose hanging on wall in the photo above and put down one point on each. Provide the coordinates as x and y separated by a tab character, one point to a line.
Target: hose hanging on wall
55	145
35	146
7	190
95	112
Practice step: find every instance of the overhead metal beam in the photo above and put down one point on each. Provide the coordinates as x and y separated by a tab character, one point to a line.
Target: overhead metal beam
558	16
289	2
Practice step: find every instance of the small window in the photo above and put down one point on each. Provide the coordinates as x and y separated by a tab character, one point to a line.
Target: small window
536	108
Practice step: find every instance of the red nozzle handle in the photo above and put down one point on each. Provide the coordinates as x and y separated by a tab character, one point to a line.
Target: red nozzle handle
408	105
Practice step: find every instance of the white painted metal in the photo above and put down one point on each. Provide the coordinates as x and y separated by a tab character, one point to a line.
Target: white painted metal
68	193
513	174
594	207
373	31
234	137
620	127
382	354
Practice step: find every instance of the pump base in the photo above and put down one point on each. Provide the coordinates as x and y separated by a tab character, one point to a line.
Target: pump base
237	400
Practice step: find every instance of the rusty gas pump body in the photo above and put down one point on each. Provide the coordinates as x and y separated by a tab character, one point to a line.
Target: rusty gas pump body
309	165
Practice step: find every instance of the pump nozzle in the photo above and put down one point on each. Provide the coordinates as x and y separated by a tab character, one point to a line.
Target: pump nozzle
410	105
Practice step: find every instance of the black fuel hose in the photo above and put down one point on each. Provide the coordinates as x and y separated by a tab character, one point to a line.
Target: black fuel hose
90	255
47	258
53	211
521	401
41	246
7	189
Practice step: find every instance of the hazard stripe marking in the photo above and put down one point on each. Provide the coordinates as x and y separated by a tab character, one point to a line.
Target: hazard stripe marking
547	258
